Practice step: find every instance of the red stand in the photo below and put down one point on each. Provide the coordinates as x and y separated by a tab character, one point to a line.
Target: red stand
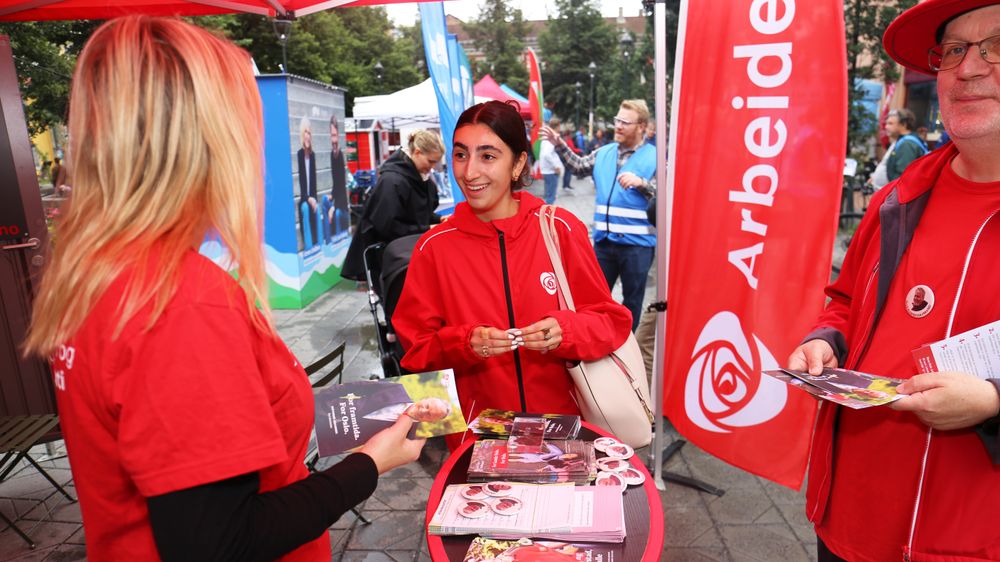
643	510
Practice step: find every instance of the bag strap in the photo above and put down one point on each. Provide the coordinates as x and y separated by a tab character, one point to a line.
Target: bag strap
547	224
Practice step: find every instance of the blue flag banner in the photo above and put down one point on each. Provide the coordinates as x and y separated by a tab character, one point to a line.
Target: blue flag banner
444	57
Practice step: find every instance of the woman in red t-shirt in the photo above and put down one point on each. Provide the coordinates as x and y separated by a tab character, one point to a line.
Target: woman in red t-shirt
186	418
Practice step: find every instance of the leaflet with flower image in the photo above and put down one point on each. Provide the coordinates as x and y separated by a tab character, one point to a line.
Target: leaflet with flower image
348	415
515	510
853	389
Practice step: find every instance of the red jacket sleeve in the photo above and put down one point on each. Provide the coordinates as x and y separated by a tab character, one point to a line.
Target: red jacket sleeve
429	343
600	325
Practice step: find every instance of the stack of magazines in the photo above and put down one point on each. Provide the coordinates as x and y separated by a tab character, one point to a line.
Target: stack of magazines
499	423
559	512
486	550
555	461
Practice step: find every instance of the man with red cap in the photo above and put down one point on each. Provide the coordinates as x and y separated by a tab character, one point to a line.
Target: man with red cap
919	480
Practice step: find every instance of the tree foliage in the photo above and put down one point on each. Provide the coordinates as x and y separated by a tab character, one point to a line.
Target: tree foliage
570	42
865	22
339	47
498	34
44	56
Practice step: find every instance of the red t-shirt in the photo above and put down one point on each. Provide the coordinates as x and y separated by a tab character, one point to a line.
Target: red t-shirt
200	397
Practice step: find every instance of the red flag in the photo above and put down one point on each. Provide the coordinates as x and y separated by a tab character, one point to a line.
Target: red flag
535	102
761	102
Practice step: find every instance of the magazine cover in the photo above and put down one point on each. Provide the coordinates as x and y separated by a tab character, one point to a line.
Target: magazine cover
845	387
499	423
528	550
558	461
347	415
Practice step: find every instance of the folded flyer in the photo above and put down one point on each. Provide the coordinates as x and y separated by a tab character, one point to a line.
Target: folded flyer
842	386
976	352
513	510
348	415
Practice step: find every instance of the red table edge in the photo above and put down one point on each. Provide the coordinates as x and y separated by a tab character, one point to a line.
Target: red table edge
436	547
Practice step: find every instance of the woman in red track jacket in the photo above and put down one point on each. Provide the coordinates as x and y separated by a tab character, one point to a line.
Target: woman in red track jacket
480	293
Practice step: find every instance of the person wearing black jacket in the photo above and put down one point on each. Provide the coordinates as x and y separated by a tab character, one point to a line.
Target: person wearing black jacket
402	202
307	180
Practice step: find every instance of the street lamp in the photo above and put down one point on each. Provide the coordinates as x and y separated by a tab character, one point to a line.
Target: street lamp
283	28
590	126
576	122
378	74
626	42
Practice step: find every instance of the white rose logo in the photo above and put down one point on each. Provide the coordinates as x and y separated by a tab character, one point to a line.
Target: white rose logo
548	280
724	388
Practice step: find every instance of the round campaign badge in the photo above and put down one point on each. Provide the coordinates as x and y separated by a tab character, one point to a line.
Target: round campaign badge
919	301
602	443
609	464
632	476
619	451
498	489
473	509
506	506
610	479
474	492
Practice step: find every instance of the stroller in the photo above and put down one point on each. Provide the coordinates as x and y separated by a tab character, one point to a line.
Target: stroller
385	271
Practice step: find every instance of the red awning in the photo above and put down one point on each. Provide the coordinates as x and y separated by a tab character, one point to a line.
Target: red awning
488	88
28	10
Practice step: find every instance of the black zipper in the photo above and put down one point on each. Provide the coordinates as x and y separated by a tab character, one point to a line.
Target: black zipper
510	318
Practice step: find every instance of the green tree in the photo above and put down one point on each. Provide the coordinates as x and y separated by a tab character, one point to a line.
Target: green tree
577	37
339	47
865	22
498	34
44	56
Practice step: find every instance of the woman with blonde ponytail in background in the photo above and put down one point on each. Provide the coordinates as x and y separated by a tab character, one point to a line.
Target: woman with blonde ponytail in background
186	418
403	201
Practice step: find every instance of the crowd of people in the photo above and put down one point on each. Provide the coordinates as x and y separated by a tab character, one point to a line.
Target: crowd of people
187	419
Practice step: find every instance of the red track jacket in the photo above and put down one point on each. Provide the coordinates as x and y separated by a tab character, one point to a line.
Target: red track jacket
939	489
456	283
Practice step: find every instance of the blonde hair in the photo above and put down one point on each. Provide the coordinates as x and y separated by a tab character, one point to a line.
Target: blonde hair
165	133
638	106
424	141
305	125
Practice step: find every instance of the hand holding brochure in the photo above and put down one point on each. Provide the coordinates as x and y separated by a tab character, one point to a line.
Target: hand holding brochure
349	414
848	388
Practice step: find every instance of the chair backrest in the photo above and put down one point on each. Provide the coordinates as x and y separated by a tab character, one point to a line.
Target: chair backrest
321	373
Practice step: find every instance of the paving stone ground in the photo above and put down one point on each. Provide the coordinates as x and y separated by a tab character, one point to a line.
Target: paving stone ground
754	521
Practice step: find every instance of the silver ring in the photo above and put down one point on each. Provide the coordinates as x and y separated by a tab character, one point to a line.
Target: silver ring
485	351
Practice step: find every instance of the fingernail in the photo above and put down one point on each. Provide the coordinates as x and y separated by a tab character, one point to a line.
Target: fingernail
510	336
519	340
515	332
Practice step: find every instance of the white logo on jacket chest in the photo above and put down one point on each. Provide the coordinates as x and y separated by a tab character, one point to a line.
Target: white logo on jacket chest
548	280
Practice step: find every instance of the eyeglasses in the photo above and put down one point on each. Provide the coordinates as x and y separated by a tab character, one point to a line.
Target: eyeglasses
947	56
623	122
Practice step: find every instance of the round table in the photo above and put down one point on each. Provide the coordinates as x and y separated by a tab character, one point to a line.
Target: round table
643	510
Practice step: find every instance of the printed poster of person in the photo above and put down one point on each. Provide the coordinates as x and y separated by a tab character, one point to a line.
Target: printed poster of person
349	414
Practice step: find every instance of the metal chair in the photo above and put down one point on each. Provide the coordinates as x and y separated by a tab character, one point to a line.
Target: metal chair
18	434
320	376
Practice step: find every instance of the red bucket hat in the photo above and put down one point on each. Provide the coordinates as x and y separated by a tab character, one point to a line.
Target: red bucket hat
912	34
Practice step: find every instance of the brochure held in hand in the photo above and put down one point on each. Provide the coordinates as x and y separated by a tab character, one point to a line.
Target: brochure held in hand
348	415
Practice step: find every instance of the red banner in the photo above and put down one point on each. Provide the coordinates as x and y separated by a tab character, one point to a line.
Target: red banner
535	101
761	118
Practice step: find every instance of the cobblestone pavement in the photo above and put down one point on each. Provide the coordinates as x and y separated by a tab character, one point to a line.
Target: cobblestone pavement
754	520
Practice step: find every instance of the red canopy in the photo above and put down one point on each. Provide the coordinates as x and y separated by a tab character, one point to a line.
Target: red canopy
488	88
25	10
